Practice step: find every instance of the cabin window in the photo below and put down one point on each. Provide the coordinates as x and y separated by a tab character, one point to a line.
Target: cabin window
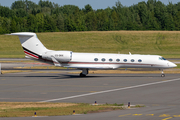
103	59
125	60
139	60
110	60
117	60
132	60
95	59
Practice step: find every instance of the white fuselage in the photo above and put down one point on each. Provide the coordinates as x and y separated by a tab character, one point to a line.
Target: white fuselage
114	61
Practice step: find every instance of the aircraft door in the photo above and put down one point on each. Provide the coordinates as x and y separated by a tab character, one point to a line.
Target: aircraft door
70	55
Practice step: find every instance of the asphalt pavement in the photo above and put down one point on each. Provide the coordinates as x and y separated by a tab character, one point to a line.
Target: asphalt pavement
159	95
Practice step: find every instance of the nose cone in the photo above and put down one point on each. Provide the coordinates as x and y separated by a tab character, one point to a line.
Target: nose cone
172	65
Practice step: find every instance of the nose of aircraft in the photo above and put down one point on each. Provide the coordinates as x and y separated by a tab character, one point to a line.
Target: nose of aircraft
172	64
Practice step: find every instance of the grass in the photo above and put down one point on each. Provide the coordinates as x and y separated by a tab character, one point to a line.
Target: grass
13	71
25	109
165	43
178	66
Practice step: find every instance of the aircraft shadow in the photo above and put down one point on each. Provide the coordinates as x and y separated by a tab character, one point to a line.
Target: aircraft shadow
109	76
66	76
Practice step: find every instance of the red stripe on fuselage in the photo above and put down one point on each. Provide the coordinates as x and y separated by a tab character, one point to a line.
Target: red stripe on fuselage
153	65
31	54
104	63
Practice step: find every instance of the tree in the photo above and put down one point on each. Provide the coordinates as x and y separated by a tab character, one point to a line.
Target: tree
32	23
40	22
70	24
49	24
171	9
143	13
60	22
20	13
46	3
18	5
69	9
160	12
138	23
25	15
169	23
91	21
88	8
102	21
177	21
13	26
114	17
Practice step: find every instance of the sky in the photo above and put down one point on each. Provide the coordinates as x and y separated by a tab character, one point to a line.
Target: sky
96	4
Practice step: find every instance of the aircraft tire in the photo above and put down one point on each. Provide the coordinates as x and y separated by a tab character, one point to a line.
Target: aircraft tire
163	75
82	75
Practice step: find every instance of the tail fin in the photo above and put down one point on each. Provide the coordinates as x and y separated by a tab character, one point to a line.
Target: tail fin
31	44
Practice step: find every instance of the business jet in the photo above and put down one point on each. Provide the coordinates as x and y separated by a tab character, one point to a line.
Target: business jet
34	49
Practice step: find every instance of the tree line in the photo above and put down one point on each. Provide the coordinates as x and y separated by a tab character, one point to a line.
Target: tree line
27	16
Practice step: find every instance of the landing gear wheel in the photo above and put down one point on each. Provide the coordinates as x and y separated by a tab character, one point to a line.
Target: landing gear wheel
163	75
82	75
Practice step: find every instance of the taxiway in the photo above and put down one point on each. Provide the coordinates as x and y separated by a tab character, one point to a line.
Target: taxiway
159	95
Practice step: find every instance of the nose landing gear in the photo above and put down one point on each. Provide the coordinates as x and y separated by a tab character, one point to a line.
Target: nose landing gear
162	75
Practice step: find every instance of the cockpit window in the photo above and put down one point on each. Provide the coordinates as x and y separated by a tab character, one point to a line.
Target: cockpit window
161	58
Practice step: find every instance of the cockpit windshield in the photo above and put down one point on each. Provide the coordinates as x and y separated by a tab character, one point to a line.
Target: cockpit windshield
161	58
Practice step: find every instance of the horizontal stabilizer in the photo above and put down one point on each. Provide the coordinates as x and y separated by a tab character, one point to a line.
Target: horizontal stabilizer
56	63
23	34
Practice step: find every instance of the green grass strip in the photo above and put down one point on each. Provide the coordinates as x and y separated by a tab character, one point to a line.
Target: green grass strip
165	43
26	109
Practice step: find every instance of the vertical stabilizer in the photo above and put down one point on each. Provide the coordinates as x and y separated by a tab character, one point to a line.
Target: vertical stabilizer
31	44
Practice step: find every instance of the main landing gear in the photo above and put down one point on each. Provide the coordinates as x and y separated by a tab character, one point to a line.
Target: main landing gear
162	75
84	73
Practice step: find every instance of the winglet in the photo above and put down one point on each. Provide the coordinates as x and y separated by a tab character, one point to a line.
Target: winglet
56	63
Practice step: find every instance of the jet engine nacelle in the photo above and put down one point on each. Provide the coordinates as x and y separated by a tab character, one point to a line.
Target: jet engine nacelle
61	56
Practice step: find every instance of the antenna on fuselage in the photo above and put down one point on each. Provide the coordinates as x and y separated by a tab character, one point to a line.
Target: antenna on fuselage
129	53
